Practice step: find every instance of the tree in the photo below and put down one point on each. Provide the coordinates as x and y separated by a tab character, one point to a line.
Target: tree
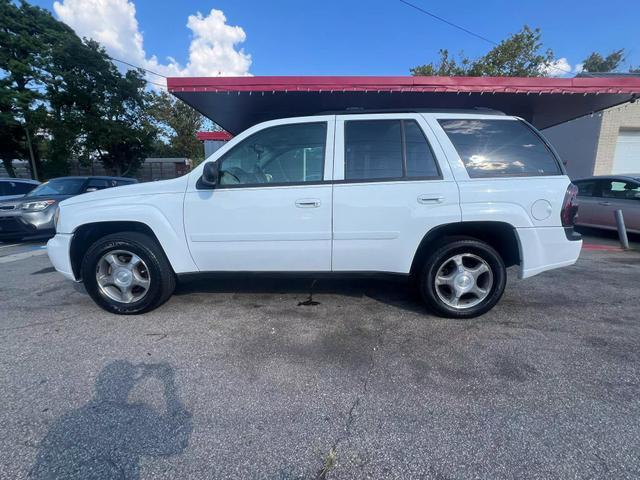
520	55
119	132
67	97
447	66
178	124
597	63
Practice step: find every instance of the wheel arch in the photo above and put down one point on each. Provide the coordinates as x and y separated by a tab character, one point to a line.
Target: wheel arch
85	235
502	236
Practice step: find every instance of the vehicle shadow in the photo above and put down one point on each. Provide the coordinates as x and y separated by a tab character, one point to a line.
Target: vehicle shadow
107	437
390	290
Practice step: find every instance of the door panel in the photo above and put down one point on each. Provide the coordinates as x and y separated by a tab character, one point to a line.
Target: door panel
617	195
378	225
260	229
271	210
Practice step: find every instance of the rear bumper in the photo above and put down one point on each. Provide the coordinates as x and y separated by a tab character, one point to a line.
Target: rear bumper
58	249
546	248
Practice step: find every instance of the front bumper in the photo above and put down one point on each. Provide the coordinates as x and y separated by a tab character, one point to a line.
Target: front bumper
59	251
18	223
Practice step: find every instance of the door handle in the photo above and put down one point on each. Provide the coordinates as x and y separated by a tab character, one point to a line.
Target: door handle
606	204
430	199
308	203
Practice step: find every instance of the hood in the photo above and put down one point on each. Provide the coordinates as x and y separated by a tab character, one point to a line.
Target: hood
175	185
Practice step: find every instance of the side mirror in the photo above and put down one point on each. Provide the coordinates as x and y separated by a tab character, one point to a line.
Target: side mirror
210	175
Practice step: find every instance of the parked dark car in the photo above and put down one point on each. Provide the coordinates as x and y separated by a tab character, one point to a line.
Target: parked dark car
33	214
11	188
599	197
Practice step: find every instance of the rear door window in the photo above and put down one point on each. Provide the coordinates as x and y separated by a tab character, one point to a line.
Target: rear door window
387	150
421	162
500	148
373	149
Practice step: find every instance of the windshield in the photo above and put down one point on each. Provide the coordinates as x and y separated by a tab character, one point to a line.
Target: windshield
58	186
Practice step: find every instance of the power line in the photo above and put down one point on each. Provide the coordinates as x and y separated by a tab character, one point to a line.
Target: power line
136	66
155	83
465	30
144	69
454	25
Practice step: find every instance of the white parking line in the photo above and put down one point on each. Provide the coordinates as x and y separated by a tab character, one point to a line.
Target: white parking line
22	255
10	245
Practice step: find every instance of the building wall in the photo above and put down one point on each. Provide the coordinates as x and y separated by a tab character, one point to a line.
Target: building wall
211	146
577	144
613	120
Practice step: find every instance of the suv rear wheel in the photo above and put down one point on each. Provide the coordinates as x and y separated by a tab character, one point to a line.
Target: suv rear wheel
127	273
463	278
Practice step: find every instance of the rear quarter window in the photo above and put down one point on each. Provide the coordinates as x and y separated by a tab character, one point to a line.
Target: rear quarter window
500	148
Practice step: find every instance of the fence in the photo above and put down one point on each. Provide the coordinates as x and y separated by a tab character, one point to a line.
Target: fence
152	169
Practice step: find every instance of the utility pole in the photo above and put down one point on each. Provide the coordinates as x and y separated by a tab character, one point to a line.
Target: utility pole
34	170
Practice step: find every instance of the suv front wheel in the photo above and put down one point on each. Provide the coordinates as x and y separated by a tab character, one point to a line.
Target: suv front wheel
463	278
127	273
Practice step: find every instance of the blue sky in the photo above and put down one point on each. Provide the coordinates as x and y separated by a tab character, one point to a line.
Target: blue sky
348	37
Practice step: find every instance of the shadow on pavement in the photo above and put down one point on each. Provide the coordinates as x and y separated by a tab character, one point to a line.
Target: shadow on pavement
107	437
391	290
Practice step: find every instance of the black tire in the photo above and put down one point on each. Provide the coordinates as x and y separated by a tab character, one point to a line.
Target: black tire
445	250
162	279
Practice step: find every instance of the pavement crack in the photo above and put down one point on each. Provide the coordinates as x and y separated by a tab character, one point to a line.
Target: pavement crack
330	458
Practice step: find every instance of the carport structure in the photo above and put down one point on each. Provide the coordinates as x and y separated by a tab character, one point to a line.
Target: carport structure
236	103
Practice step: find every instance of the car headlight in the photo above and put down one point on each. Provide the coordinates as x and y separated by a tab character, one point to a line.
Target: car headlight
37	206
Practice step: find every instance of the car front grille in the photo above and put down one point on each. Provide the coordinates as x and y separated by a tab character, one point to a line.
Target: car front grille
7	207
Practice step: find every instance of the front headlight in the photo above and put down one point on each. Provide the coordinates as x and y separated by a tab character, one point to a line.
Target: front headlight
37	206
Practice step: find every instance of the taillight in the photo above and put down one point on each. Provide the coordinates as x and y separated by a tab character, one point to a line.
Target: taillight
569	206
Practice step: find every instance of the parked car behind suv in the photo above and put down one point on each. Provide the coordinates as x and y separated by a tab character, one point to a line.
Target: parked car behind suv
33	214
448	200
601	196
11	188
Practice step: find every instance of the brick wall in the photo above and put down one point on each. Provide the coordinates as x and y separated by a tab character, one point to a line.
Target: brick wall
612	121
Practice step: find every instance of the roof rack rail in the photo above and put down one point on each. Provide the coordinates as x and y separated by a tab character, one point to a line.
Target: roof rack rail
360	110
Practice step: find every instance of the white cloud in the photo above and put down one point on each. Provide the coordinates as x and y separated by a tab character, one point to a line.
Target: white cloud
113	23
557	68
578	68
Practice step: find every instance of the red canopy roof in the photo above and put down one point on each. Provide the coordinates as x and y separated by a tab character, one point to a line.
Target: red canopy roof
220	136
236	103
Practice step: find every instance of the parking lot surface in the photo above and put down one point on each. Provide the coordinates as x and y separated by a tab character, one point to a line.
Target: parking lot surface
247	378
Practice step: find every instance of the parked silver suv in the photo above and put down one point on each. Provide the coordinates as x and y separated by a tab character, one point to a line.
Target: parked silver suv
33	214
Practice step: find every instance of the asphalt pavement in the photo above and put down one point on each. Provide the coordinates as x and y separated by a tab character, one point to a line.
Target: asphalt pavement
258	378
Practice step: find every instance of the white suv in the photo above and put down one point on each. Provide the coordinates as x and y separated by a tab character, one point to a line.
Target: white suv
447	199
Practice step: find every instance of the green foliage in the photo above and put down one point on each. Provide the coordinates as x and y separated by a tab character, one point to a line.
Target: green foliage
597	63
447	66
178	124
520	55
62	97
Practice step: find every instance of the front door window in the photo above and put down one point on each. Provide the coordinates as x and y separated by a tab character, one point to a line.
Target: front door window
286	154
